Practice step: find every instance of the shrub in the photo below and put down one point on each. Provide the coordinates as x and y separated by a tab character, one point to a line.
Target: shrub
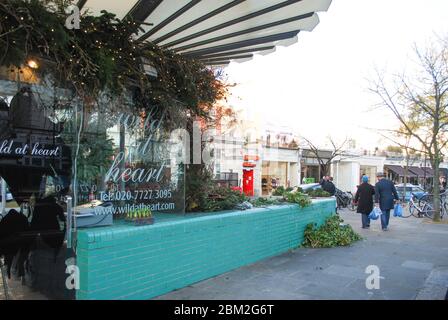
260	202
331	234
239	189
298	197
221	198
202	194
279	191
318	193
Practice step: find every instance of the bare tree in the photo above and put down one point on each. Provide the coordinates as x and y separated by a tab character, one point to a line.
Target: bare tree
405	146
420	105
337	149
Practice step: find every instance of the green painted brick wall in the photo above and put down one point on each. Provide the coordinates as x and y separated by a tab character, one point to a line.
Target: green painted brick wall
128	262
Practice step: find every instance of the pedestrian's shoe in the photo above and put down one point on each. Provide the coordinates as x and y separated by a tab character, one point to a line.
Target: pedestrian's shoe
386	229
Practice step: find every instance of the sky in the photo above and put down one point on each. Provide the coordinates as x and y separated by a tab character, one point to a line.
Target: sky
319	86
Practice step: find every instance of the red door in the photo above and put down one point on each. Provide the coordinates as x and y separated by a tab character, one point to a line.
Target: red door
248	182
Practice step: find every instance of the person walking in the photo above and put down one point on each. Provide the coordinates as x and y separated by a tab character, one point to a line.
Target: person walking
364	200
385	198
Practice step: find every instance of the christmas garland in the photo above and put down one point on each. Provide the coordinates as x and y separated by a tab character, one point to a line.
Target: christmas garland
102	56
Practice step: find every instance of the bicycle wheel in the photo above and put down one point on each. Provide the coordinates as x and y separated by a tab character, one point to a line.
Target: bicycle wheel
444	209
428	210
409	212
338	202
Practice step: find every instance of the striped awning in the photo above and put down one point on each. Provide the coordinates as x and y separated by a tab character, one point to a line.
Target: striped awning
444	172
217	32
400	171
418	171
429	172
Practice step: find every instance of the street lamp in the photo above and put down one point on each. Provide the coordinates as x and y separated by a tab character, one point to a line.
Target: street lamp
32	64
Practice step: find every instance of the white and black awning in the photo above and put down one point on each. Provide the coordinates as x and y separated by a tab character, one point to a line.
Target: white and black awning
217	31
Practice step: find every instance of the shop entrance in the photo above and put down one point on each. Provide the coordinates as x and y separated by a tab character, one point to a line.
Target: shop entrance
274	174
68	167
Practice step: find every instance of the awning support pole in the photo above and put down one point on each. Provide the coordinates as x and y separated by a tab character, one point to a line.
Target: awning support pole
3	186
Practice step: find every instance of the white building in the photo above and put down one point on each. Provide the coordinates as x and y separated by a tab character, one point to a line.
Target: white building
348	170
278	161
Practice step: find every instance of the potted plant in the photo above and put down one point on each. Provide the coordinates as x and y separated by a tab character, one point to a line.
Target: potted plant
318	193
280	192
140	217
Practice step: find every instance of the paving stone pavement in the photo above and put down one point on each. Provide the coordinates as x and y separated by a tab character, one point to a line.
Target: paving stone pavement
412	258
17	291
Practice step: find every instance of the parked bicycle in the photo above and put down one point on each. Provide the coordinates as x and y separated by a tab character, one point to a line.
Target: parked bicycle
344	199
351	206
424	206
429	206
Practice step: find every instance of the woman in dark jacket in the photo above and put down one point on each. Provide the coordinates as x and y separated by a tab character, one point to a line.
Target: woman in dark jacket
364	199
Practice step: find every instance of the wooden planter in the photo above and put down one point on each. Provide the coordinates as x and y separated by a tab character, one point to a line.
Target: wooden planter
141	221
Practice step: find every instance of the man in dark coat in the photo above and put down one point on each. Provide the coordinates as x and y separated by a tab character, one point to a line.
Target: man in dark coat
364	199
385	197
331	188
323	181
328	185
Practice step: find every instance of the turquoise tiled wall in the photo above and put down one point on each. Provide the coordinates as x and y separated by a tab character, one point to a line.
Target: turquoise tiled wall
128	262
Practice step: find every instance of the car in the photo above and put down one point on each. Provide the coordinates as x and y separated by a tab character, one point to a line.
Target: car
410	189
9	196
309	186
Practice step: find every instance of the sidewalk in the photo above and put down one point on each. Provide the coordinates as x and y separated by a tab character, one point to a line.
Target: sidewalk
412	258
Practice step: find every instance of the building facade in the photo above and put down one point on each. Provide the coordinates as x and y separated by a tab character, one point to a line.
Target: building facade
348	170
